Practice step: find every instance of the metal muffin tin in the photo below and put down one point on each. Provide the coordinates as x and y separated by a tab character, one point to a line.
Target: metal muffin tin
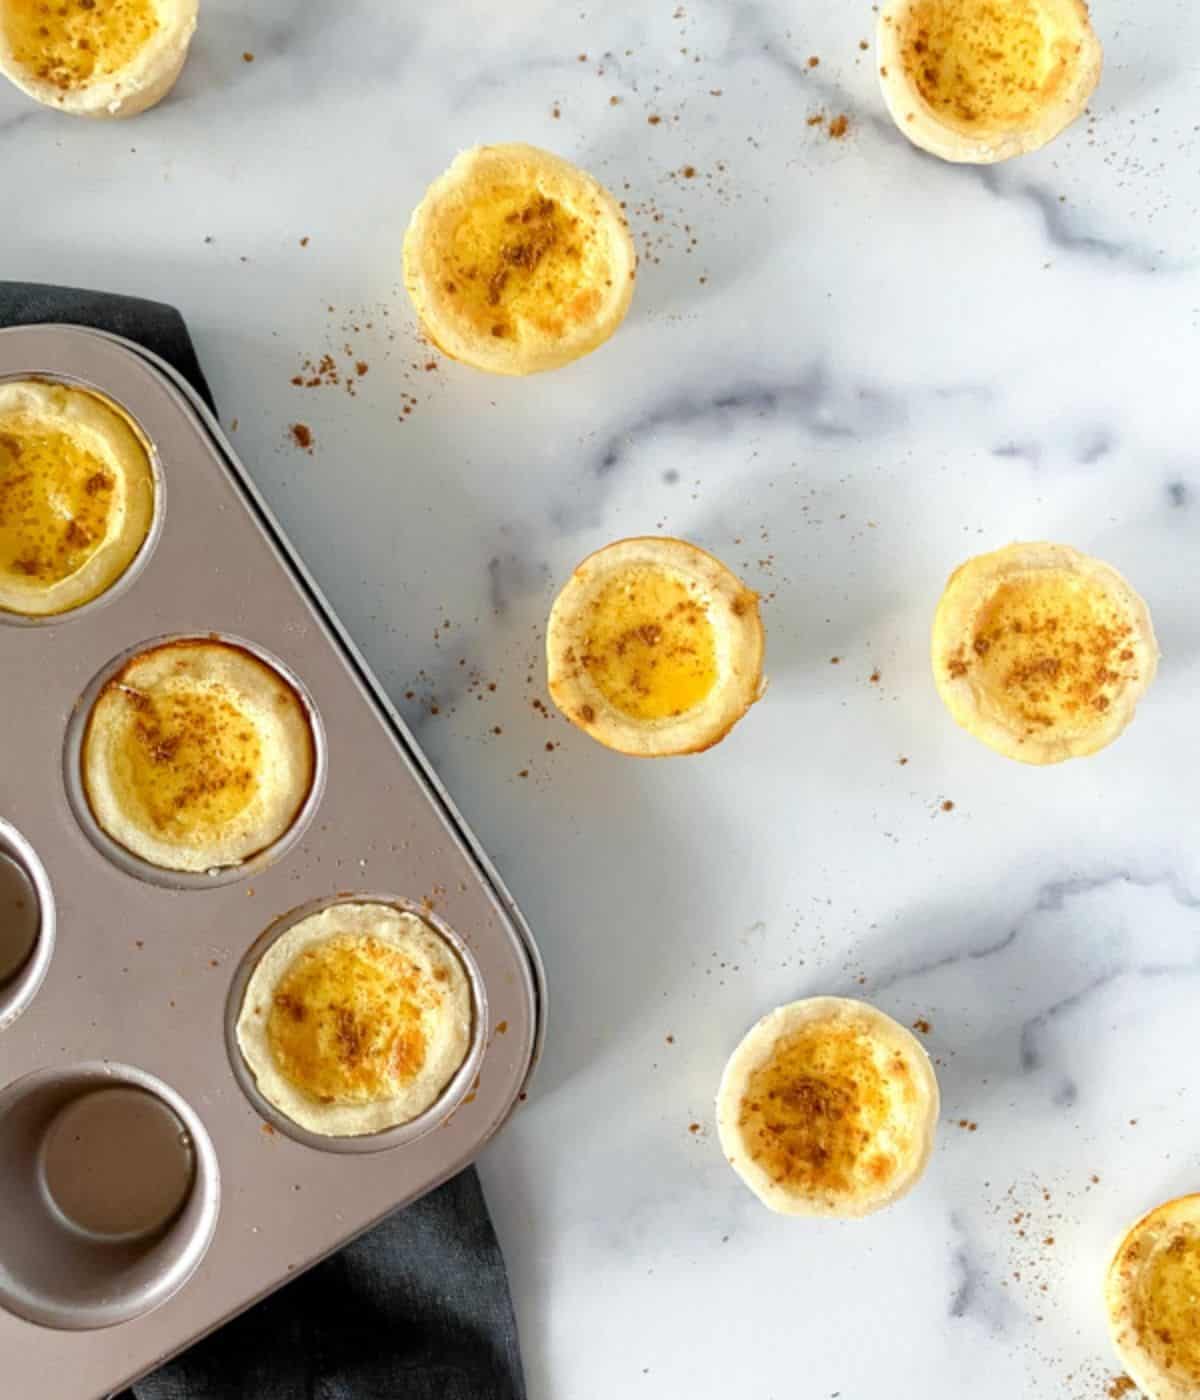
136	977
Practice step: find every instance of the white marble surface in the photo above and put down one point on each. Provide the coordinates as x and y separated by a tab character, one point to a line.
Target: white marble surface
847	367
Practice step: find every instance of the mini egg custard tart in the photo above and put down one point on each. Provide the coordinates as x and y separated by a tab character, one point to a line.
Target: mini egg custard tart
1152	1293
517	261
356	1019
1042	652
828	1107
978	81
197	755
77	495
96	58
654	648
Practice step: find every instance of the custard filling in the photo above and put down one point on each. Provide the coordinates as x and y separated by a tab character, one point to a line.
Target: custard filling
650	647
985	64
345	1024
189	762
57	502
818	1116
1052	650
70	43
1169	1299
519	257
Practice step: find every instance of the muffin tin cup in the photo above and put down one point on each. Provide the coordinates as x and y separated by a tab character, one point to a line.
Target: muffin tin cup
133	569
134	864
27	942
447	1101
145	974
59	1267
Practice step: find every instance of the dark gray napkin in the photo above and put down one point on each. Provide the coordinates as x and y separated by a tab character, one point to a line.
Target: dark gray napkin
419	1307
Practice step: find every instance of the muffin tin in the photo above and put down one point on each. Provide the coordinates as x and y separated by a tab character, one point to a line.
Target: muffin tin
117	1025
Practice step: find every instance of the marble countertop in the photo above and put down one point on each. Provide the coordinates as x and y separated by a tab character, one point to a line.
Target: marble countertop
847	368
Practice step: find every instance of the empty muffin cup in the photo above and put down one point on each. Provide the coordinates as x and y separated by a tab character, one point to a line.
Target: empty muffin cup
111	1195
26	923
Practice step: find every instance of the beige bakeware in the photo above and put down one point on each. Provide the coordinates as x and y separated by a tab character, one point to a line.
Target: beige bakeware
147	1192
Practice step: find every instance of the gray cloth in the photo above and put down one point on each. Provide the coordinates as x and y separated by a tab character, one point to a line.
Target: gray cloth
419	1307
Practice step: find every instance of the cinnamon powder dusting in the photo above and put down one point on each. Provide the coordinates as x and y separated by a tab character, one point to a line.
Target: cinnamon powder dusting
811	1112
1053	652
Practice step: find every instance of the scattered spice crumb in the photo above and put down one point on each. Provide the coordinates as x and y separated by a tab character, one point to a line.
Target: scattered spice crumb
247	57
524	773
816	119
688	172
693	1127
268	1130
361	367
502	1028
654	119
902	760
1120	1386
967	1124
614	101
814	61
556	111
670	1040
835	660
862	44
839	126
947	806
922	1025
874	678
302	436
304	241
